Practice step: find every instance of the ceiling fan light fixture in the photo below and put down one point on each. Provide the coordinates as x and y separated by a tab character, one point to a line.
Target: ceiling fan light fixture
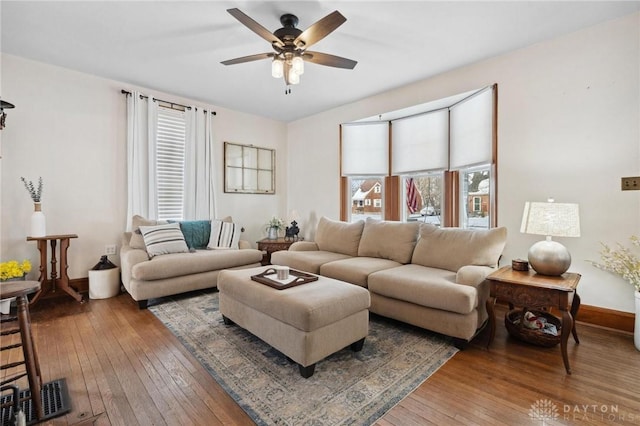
294	77
277	68
298	65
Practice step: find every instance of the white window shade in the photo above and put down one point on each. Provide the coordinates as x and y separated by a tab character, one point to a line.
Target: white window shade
472	131
420	143
365	149
170	160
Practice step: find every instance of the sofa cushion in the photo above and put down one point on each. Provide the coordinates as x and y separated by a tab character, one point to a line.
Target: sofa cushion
307	261
163	239
452	248
339	237
355	270
182	264
224	235
424	286
388	240
136	240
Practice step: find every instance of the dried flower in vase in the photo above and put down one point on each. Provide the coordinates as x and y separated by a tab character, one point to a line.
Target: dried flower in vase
35	193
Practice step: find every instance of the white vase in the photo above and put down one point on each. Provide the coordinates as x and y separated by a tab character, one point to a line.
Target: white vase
273	233
636	331
38	223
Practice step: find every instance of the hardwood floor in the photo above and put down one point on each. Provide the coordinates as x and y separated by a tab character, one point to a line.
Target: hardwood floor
123	367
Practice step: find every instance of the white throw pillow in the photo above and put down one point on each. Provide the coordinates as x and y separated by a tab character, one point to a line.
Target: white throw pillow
163	239
224	235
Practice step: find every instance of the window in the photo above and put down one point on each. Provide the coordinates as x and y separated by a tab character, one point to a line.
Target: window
364	166
437	160
423	198
475	197
170	161
362	193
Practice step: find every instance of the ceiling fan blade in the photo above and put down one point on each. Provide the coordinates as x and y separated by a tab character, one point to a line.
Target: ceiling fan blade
329	60
249	58
255	27
319	30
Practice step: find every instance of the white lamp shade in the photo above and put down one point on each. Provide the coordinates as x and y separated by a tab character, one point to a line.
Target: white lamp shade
551	219
294	78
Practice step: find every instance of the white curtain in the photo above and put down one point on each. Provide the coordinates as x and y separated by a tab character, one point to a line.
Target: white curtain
199	191
141	137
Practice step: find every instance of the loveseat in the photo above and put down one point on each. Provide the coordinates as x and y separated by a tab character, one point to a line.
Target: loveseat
418	273
187	265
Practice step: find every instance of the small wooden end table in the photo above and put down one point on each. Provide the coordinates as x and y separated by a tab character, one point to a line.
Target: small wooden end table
269	246
531	290
61	282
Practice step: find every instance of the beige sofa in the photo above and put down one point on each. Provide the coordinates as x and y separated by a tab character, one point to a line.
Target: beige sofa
431	277
146	278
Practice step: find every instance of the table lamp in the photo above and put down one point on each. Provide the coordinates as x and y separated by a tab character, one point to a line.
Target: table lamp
551	219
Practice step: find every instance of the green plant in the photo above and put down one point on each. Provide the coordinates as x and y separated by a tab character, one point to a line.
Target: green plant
35	193
275	222
621	261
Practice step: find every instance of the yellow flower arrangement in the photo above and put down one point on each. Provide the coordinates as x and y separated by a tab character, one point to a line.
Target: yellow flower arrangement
14	269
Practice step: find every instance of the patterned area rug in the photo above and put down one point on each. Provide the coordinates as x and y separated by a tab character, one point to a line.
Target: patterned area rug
348	388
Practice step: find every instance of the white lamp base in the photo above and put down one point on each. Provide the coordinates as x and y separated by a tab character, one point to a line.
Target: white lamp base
549	258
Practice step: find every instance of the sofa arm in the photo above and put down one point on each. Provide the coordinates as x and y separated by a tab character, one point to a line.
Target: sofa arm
473	275
304	246
129	257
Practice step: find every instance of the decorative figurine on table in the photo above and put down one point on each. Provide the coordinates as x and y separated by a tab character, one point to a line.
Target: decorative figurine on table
291	232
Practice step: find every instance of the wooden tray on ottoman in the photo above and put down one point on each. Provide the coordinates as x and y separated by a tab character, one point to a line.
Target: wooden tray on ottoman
537	337
299	279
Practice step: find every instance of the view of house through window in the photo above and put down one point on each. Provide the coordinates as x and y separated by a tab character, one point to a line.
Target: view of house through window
366	198
475	193
423	198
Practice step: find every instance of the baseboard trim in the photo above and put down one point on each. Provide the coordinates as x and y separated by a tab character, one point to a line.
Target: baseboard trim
609	318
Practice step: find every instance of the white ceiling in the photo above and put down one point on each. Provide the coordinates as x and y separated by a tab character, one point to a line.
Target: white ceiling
177	46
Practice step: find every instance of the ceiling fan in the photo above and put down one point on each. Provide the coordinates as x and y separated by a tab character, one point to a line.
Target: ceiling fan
290	45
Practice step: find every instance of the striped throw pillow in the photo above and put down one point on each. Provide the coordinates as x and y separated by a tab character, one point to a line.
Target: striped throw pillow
163	239
224	235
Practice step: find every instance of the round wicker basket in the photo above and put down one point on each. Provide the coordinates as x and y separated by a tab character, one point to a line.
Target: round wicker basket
537	337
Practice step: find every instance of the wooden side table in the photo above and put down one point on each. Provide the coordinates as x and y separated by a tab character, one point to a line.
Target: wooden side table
531	290
61	281
269	246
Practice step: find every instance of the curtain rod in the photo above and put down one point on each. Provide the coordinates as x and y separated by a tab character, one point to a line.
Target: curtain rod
126	92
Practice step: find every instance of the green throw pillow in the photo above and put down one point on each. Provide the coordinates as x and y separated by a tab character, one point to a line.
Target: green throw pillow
196	233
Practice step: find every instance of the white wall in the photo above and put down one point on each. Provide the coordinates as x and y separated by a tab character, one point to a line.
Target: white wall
568	127
70	128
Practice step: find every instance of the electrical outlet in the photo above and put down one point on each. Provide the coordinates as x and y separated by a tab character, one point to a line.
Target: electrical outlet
630	183
110	249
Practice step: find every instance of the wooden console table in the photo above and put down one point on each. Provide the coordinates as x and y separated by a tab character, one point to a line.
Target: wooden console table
531	290
61	281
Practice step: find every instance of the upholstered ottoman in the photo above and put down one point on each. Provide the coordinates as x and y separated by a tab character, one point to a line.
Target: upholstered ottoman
306	323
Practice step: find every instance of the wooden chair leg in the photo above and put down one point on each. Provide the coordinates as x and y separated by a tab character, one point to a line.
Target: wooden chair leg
30	356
